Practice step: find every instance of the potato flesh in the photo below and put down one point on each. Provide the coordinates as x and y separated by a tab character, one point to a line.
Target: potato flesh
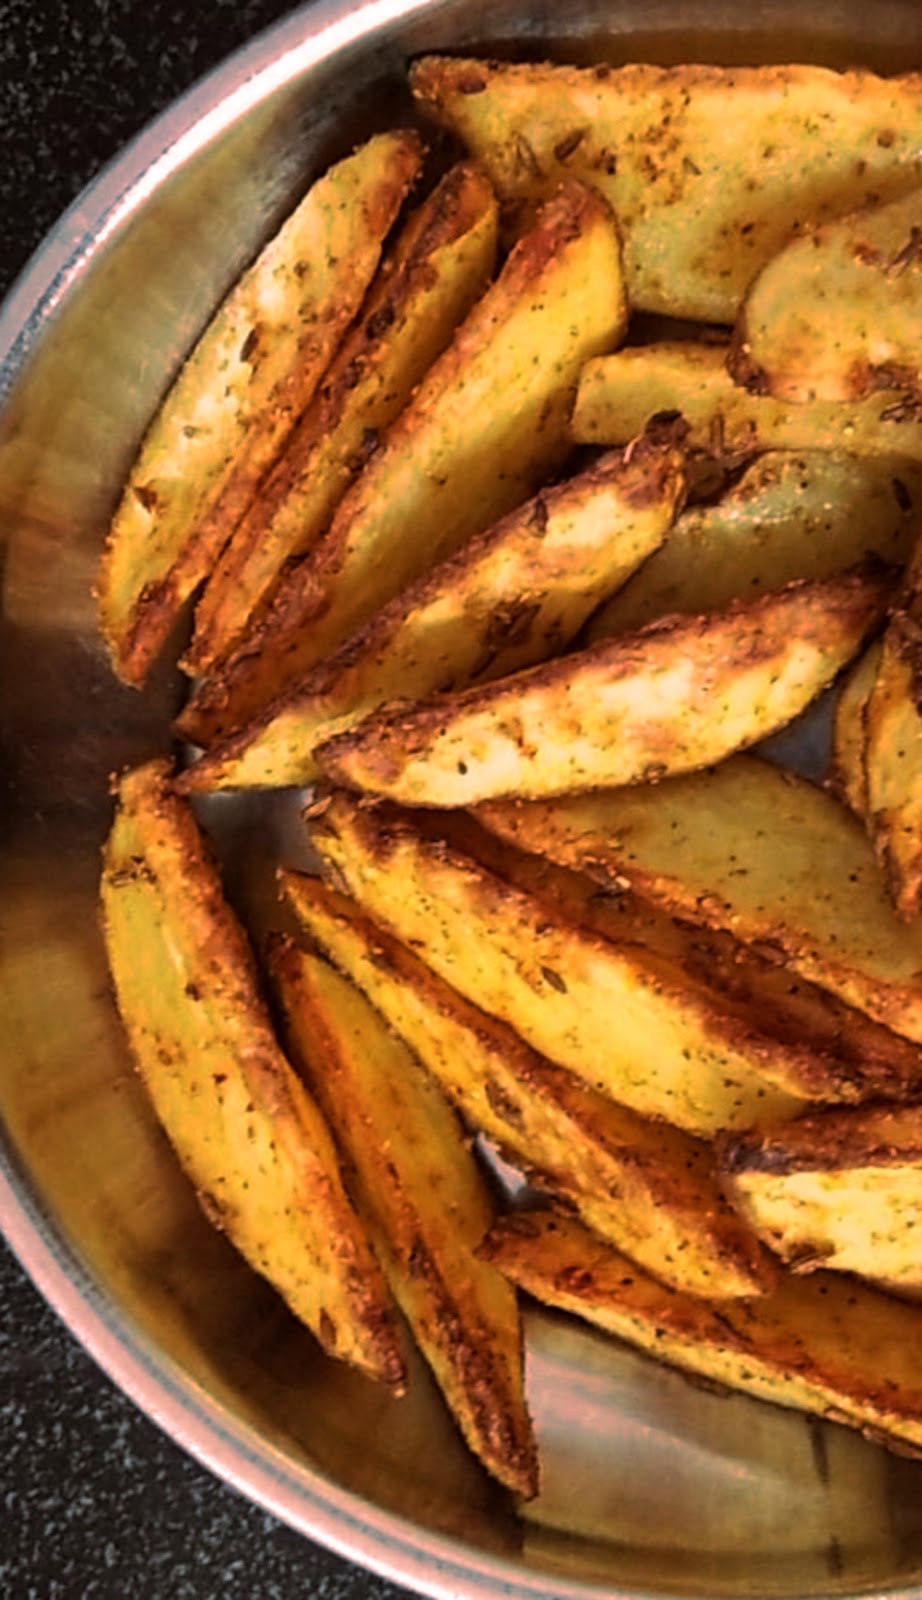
763	854
675	697
818	1344
511	596
842	1190
647	1188
836	314
793	514
420	1188
619	393
249	1136
458	457
849	737
238	395
558	986
441	264
700	211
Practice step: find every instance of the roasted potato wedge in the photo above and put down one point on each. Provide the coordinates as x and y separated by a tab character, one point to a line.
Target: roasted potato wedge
459	456
618	395
240	393
440	265
646	1187
761	853
513	595
836	314
842	1189
821	1344
893	749
673	1054
419	1186
678	695
700	210
849	776
792	514
244	1128
831	1053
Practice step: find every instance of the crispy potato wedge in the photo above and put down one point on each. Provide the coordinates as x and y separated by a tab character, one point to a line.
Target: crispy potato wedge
792	514
513	595
760	852
836	314
440	265
842	1190
673	1054
239	394
830	1052
821	1344
848	774
485	427
251	1139
425	1198
700	212
618	395
893	749
678	695
646	1187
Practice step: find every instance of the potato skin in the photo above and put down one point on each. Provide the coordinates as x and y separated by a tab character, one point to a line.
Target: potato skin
821	1344
249	1136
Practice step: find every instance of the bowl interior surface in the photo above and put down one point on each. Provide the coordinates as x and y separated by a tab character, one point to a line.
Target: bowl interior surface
650	1485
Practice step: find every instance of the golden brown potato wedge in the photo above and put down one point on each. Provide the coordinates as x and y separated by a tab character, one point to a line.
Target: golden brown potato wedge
821	1344
646	1187
893	749
618	395
680	694
842	1189
835	315
240	393
673	1055
792	514
426	1200
513	595
831	1052
700	208
848	776
761	853
440	265
483	430
247	1133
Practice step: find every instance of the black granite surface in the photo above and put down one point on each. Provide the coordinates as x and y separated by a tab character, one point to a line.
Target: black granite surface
95	1502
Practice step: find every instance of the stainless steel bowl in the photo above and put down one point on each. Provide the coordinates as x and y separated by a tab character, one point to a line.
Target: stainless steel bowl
651	1485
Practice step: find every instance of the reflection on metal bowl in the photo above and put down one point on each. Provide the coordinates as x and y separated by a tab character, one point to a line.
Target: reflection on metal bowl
651	1486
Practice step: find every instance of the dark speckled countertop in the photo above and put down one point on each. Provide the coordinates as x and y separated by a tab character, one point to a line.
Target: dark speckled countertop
95	1502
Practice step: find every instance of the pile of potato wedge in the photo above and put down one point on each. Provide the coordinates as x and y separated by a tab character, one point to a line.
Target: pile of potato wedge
554	456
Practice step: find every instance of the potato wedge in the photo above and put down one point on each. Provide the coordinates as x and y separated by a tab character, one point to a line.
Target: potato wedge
484	429
848	775
792	514
440	265
419	1186
678	695
672	1055
647	1188
513	595
700	209
618	394
841	1190
760	852
831	1053
239	394
835	315
821	1344
893	749
250	1138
